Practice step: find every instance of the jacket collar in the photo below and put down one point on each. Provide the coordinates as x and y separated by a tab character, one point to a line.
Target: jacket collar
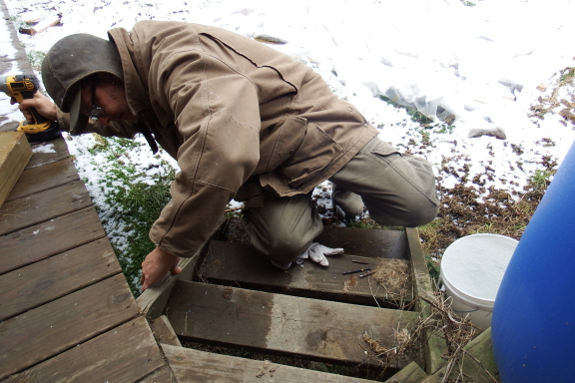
136	91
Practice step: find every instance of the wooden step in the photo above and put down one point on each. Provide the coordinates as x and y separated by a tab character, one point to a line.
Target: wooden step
194	366
283	324
234	264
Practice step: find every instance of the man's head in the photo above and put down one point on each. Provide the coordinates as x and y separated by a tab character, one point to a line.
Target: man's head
77	62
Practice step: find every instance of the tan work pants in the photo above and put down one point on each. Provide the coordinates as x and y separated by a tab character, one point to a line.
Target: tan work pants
398	190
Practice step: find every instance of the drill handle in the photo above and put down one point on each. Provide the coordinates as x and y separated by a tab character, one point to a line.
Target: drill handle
38	118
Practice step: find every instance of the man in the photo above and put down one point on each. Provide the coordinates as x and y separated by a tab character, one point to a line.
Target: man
244	121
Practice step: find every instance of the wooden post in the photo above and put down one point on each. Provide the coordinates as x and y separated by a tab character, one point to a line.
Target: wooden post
15	152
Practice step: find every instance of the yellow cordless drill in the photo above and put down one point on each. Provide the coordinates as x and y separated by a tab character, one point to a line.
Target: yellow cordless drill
22	87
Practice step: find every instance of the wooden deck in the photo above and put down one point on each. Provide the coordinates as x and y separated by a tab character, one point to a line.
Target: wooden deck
66	311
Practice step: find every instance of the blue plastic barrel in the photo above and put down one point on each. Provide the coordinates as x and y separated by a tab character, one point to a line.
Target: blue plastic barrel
533	323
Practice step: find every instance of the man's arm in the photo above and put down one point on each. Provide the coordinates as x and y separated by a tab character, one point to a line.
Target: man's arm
216	111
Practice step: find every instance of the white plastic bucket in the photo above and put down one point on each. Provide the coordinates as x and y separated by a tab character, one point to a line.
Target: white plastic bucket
471	271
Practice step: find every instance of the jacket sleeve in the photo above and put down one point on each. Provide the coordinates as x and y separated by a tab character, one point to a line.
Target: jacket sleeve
216	112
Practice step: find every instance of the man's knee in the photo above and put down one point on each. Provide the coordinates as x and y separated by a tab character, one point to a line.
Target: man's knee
420	212
417	210
284	227
285	249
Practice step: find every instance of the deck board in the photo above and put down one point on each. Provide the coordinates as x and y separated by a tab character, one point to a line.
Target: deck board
54	277
45	331
39	207
48	238
127	353
44	177
282	324
48	152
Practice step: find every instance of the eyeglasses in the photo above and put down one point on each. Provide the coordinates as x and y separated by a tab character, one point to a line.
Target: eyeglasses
96	111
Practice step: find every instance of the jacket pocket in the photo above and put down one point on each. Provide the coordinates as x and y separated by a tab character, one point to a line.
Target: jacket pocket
385	152
279	142
315	153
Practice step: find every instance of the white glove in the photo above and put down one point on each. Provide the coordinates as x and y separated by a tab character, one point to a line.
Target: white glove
318	253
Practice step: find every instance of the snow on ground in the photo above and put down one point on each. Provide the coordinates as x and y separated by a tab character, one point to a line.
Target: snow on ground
477	68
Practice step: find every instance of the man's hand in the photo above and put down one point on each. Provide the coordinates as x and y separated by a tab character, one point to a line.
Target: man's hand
41	103
156	266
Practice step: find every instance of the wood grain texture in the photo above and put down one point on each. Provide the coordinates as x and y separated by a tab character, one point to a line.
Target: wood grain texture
164	332
125	354
240	265
15	152
39	207
54	277
44	177
435	346
280	323
55	236
164	375
196	366
366	242
48	152
48	330
411	373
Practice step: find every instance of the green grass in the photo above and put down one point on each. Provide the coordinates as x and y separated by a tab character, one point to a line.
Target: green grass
541	179
128	199
36	58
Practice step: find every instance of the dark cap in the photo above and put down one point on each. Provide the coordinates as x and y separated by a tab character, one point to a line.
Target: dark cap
72	59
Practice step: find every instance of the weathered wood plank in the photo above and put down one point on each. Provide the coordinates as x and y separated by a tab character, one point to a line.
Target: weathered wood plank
48	152
435	346
15	152
367	243
412	373
476	363
164	375
52	278
48	330
196	366
152	302
280	323
124	354
49	238
39	207
44	177
240	265
164	332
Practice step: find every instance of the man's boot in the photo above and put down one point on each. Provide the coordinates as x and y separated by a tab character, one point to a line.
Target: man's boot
346	204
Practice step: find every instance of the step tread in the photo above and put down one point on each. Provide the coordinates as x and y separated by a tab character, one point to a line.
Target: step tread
235	264
283	324
189	365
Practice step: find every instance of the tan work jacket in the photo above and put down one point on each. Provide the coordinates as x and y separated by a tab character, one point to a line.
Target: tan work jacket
241	118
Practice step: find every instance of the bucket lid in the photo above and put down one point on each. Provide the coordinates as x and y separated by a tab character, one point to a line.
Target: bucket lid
474	265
